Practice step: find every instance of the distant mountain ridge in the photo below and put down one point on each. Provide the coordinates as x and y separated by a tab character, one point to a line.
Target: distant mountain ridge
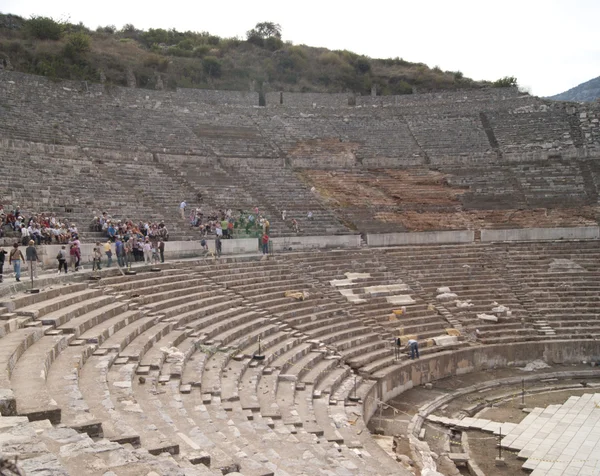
585	92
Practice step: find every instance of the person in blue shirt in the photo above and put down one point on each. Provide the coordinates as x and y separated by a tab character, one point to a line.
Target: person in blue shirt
120	251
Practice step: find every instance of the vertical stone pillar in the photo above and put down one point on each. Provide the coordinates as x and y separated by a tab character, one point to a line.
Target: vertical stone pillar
158	83
131	82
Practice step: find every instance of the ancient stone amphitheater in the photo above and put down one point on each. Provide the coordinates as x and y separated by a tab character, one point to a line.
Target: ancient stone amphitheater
467	220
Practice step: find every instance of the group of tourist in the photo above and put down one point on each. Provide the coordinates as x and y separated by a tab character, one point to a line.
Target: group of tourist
128	228
224	223
31	258
42	228
128	251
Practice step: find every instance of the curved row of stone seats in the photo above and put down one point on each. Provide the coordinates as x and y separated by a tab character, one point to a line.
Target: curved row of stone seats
564	182
41	448
131	342
230	135
380	138
541	129
287	192
223	189
291	398
559	283
369	287
374	200
93	120
477	288
525	185
79	194
449	137
297	370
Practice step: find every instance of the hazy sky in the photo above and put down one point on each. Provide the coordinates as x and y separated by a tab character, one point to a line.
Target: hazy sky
549	45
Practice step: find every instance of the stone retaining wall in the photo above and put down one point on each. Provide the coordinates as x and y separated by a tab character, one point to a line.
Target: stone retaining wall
187	249
462	361
314	242
423	238
541	234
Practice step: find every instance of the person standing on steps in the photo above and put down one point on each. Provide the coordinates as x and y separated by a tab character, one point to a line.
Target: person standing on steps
108	253
2	256
62	259
218	246
16	258
147	249
161	250
265	244
97	257
32	257
182	207
120	251
413	345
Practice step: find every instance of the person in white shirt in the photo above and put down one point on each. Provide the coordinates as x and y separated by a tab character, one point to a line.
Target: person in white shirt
182	206
147	247
24	234
413	345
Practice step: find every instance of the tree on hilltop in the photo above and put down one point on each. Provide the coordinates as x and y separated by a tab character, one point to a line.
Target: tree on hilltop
266	34
266	30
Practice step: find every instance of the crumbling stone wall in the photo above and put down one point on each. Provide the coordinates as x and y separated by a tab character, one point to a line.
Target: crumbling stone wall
488	126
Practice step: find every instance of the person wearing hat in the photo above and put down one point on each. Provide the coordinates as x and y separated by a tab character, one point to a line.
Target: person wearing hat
15	258
32	257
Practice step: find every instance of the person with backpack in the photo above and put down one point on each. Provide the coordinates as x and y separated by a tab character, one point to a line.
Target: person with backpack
32	257
62	259
16	258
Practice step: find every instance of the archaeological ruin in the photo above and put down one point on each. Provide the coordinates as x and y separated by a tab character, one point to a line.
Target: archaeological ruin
466	220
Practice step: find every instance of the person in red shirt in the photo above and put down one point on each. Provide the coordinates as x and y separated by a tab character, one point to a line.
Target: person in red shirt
265	244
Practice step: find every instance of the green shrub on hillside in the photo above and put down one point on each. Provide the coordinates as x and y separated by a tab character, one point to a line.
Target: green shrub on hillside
201	60
44	28
108	29
211	66
505	82
78	43
362	65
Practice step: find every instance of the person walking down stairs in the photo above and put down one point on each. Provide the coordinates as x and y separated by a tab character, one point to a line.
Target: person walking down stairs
182	207
16	258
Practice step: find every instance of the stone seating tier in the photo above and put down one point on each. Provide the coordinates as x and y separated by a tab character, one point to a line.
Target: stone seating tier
107	337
